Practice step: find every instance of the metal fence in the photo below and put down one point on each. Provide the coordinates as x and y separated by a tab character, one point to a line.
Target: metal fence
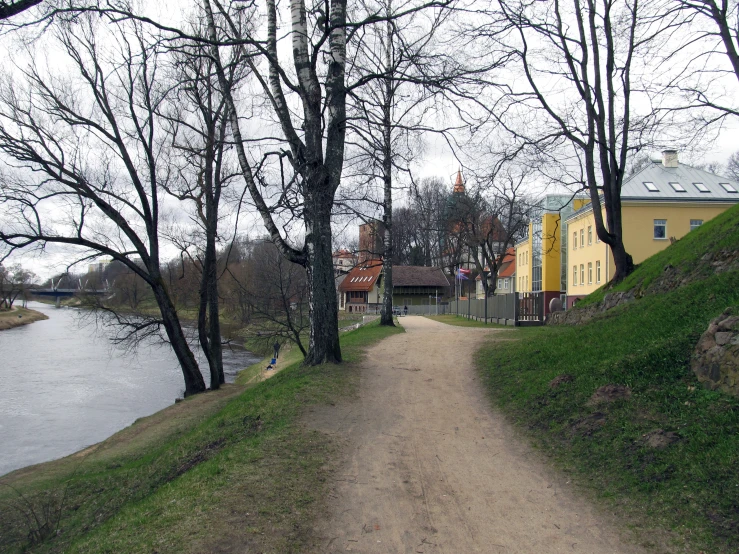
519	308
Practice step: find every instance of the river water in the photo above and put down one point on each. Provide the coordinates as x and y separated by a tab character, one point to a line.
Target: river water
63	386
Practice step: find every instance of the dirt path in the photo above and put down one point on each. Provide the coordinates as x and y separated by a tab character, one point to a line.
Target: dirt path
430	468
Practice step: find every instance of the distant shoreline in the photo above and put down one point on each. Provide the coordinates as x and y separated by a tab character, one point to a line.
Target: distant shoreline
19	316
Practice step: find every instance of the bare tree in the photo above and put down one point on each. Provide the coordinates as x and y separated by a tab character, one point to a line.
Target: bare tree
716	24
491	219
90	158
14	282
584	63
9	9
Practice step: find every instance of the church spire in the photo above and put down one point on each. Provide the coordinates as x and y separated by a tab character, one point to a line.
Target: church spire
459	184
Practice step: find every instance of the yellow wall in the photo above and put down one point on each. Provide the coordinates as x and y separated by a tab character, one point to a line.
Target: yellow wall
590	253
638	224
523	264
638	232
550	256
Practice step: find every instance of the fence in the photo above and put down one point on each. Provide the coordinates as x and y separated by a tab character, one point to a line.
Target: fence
519	308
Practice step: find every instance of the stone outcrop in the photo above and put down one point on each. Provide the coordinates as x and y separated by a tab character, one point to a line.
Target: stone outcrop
716	357
583	315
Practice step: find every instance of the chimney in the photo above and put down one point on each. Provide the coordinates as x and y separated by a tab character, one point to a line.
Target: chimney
669	158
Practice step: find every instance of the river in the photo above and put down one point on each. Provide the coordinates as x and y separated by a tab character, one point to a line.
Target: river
63	386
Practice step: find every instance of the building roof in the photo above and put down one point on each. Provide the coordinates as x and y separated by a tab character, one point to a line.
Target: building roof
508	264
686	187
418	276
342	254
458	184
362	277
683	183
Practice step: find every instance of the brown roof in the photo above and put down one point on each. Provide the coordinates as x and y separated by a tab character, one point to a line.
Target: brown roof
418	276
362	277
458	184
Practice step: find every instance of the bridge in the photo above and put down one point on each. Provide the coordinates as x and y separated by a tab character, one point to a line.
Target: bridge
58	293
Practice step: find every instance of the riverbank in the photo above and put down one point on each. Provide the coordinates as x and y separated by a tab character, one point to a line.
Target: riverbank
231	470
19	316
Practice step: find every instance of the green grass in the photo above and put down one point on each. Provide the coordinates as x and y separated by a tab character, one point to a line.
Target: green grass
458	320
720	233
691	487
243	475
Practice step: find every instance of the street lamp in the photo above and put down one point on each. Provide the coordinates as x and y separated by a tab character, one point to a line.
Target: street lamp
485	291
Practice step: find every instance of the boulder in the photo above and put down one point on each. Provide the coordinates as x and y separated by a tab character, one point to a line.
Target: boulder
716	357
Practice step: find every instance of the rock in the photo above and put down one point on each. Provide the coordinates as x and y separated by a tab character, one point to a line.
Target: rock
716	356
723	337
610	393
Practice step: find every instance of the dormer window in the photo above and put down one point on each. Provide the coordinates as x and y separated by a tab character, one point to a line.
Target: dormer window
728	188
677	187
651	186
701	187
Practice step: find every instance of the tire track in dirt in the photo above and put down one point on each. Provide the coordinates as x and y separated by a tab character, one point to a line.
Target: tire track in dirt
430	468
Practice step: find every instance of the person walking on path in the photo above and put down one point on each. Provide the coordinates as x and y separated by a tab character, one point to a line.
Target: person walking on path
405	310
277	349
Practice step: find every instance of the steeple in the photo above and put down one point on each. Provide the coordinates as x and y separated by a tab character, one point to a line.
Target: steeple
458	185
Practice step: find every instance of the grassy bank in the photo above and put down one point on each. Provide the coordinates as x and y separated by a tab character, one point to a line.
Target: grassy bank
219	472
666	455
19	316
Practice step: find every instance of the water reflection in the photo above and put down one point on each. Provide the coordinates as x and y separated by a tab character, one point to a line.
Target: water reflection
65	387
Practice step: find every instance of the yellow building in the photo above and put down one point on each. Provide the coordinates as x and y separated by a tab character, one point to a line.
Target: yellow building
661	203
539	256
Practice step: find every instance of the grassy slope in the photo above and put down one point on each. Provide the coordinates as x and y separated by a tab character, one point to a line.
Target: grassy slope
691	487
244	476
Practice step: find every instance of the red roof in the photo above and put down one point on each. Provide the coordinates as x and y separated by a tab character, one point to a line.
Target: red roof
507	265
342	254
362	277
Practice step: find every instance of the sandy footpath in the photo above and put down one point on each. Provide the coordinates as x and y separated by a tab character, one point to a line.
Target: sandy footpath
430	468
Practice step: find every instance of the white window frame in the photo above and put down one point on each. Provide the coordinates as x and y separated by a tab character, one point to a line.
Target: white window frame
582	238
695	223
590	235
701	187
597	271
660	223
574	240
650	186
582	274
574	275
590	273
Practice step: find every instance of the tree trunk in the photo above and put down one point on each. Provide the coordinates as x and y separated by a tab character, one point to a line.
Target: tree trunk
323	344
386	314
193	379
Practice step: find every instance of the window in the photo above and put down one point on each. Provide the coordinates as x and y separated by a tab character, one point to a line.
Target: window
695	223
597	271
500	283
650	186
590	273
574	240
660	228
582	274
677	187
574	275
582	237
728	187
505	283
701	187
590	235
